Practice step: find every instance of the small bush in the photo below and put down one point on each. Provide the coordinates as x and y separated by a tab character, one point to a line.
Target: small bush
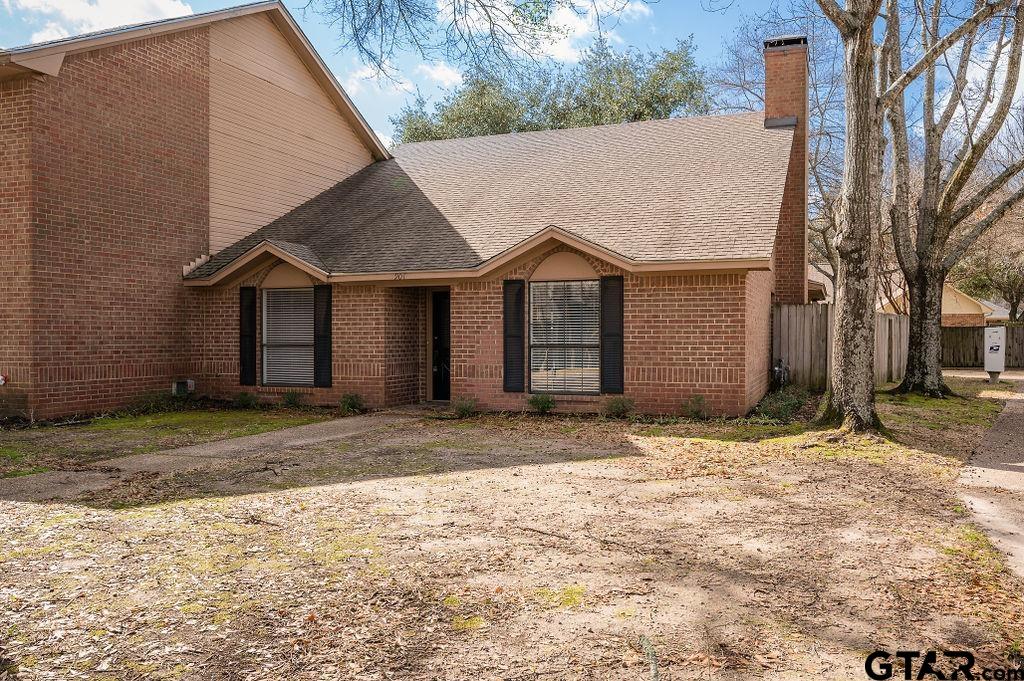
696	408
246	401
782	405
542	404
464	407
351	403
292	399
619	407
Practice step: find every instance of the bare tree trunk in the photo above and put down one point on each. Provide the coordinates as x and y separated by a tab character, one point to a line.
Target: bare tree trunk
924	353
851	400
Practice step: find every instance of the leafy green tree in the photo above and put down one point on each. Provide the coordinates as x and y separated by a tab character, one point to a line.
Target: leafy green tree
605	87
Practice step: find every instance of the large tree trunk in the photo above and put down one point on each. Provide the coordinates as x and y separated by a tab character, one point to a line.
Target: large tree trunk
924	353
851	399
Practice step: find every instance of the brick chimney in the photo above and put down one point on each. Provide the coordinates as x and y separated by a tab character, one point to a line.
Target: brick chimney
785	105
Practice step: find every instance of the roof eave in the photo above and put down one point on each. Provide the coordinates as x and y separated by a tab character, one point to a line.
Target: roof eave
505	258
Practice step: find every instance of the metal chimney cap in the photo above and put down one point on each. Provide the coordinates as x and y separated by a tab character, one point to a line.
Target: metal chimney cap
786	41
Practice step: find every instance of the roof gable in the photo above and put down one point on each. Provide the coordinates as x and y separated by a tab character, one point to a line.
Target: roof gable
47	57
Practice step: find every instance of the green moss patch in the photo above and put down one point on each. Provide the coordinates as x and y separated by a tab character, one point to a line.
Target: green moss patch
22	472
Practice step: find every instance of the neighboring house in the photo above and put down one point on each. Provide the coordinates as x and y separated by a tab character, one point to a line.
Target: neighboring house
198	199
819	285
958	308
999	313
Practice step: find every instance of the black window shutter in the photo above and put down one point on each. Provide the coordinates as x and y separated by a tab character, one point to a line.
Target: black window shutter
322	336
247	335
515	335
611	335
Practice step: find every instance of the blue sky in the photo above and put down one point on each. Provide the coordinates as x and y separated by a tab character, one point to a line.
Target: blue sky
646	26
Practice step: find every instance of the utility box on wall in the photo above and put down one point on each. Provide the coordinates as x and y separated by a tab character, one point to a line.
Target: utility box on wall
995	352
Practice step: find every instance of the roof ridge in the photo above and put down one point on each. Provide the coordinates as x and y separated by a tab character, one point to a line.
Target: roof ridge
552	131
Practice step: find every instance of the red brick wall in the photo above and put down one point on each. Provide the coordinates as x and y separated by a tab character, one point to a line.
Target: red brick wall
758	335
405	367
120	202
786	95
964	320
15	243
699	334
684	336
378	335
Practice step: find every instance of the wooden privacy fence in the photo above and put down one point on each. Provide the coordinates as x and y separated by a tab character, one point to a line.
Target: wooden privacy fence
965	346
802	337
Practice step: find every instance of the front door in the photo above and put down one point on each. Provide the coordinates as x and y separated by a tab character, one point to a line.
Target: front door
441	344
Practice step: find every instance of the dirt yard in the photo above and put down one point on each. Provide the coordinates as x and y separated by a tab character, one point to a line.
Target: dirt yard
518	548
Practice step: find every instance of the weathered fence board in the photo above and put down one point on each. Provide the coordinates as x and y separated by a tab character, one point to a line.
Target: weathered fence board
802	337
965	346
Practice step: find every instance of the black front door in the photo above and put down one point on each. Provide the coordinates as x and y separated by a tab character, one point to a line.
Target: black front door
442	346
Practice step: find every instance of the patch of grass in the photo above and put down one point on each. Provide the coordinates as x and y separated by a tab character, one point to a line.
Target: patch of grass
976	558
727	430
755	430
451	601
246	400
14	452
223	423
861	449
570	596
342	547
966	408
292	399
451	443
22	472
460	623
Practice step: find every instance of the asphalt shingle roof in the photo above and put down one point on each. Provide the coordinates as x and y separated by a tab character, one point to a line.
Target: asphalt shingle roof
684	189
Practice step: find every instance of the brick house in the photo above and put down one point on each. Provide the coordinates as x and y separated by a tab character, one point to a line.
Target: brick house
958	308
197	198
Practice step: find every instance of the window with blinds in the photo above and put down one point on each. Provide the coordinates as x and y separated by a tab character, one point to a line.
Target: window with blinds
288	336
565	342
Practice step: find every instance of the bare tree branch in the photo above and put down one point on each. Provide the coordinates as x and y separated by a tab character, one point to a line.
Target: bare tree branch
965	168
977	229
844	21
932	53
968	208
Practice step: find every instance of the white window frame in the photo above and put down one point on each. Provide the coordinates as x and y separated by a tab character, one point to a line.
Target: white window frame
584	347
264	345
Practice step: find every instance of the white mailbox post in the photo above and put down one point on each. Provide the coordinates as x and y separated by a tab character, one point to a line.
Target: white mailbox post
995	352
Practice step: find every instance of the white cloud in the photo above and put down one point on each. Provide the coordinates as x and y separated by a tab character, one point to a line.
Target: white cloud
370	79
441	73
576	26
69	17
52	31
